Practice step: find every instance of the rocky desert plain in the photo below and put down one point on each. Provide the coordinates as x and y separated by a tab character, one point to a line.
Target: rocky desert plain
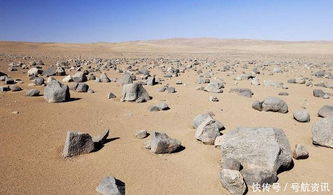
174	116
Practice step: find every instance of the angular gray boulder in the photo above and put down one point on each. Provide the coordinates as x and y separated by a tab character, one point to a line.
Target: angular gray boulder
81	87
161	143
261	152
207	131
111	186
200	118
77	143
56	92
135	92
322	132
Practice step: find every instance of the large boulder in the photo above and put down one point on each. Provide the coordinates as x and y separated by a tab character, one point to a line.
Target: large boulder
78	143
275	104
111	186
322	132
325	111
161	143
135	92
260	151
56	92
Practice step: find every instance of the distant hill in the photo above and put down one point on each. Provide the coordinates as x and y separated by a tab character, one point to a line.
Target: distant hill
170	46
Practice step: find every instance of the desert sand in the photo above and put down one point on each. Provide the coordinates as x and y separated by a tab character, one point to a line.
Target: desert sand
31	142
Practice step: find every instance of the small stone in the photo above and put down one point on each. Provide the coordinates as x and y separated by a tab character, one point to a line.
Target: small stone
233	181
213	99
163	106
161	143
257	105
171	90
102	138
33	92
300	152
81	87
301	116
90	91
15	88
111	186
153	108
141	134
111	95
283	94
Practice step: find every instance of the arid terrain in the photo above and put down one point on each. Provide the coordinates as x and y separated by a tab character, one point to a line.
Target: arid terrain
33	131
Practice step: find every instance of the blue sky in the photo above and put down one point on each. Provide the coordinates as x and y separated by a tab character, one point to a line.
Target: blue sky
121	20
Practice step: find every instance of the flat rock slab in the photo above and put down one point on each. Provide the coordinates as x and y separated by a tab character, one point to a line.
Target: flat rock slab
322	132
260	151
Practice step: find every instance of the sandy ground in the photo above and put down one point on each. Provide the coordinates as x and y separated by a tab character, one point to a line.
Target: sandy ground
31	142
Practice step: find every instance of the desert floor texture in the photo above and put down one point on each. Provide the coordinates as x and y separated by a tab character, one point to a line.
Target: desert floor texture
33	131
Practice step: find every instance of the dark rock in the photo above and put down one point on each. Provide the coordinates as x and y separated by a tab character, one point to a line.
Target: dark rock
77	143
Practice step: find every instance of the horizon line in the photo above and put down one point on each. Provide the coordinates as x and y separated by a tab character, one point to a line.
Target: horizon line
172	38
